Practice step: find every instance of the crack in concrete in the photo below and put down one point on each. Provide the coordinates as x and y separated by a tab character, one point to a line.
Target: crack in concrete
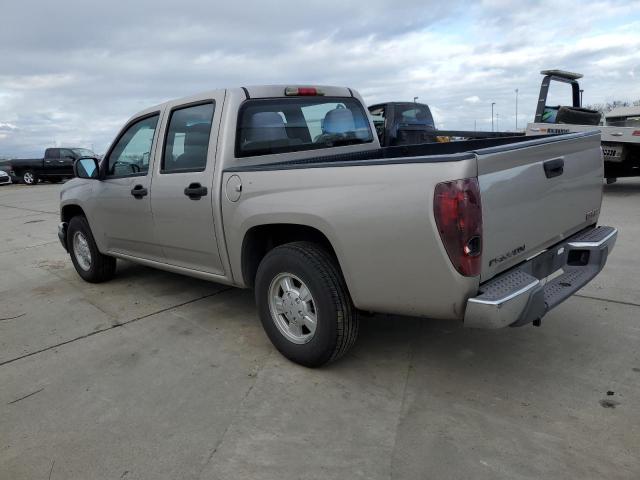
29	209
26	396
4	319
404	399
3	252
620	302
111	327
231	423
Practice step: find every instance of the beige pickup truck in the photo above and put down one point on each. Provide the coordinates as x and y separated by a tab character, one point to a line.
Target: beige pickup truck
286	190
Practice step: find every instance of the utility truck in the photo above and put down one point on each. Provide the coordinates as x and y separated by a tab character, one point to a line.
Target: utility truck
620	138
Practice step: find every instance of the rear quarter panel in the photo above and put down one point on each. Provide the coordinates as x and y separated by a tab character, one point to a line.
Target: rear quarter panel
379	220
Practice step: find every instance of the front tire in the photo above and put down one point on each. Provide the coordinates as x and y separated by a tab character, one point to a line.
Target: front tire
28	177
91	265
304	304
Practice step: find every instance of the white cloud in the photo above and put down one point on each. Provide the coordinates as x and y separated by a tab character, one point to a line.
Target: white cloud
78	86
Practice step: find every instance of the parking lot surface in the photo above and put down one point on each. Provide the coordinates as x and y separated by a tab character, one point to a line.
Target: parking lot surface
154	375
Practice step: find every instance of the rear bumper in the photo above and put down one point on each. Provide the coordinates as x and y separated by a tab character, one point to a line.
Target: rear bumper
520	295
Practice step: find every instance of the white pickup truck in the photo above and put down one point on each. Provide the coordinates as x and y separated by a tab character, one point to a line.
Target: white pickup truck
620	135
285	189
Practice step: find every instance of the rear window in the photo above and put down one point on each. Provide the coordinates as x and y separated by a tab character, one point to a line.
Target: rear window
414	114
302	123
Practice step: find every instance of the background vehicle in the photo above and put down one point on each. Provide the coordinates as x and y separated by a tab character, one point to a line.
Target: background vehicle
410	123
56	165
620	141
4	178
286	190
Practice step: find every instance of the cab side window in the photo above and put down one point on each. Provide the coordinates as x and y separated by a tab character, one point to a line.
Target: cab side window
66	153
130	156
52	153
187	141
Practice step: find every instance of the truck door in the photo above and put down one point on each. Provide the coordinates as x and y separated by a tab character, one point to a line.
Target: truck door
52	162
182	193
65	164
123	216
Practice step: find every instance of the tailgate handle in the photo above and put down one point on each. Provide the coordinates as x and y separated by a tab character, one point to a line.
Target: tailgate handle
554	168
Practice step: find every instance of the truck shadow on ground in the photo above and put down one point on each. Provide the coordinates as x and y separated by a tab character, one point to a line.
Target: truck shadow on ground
623	187
391	341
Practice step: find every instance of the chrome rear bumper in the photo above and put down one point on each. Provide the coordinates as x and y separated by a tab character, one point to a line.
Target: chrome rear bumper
520	295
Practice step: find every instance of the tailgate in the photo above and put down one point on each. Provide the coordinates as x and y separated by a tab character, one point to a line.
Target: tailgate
535	194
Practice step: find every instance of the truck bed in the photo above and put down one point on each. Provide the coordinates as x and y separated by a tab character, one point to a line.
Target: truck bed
420	153
377	209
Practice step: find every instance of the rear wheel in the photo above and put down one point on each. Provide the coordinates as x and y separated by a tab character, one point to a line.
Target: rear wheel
90	264
304	304
29	177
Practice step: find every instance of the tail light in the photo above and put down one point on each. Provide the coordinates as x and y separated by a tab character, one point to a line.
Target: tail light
456	206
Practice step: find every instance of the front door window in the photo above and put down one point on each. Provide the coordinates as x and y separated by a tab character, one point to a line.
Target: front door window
130	156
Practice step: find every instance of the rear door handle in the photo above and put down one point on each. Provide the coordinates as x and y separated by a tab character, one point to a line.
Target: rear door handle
554	168
195	191
139	191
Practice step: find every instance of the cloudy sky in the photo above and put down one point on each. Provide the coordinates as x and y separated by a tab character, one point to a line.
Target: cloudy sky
72	71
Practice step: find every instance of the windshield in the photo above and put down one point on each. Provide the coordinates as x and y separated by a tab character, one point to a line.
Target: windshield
83	152
300	123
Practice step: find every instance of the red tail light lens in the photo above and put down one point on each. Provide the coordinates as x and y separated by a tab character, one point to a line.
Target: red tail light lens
458	213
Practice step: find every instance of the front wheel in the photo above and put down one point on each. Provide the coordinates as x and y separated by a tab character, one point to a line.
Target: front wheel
29	178
304	304
90	264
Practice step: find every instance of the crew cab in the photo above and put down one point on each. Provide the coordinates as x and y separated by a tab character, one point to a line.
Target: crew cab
55	166
286	190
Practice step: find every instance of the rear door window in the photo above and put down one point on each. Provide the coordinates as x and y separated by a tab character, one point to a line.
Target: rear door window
187	139
295	124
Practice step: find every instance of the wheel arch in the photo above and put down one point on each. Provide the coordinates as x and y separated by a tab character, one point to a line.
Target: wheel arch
260	239
67	212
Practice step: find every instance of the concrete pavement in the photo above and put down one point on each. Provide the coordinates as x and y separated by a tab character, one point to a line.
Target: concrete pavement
156	376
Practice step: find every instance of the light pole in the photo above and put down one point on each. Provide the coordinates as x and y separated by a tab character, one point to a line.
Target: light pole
581	92
492	104
414	99
516	109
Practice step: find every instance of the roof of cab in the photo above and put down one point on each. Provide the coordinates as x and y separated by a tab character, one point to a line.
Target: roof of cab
275	91
252	91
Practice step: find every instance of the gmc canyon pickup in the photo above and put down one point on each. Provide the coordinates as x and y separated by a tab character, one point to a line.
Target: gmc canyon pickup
286	190
56	165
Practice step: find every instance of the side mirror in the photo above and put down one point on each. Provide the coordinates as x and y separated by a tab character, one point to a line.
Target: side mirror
86	167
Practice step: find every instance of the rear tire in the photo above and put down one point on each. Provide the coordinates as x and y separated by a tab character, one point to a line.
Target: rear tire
91	265
317	291
28	177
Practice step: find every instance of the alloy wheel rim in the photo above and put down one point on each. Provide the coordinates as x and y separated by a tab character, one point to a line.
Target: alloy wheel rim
293	308
81	251
28	178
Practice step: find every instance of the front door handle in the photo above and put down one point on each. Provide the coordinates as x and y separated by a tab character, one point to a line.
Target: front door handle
554	168
195	191
139	191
